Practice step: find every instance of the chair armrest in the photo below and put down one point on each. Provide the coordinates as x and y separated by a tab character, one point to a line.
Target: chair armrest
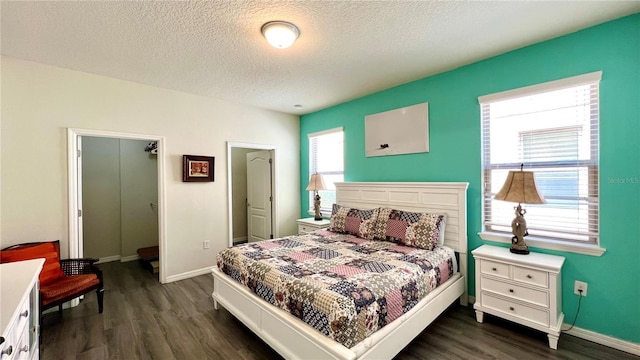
80	266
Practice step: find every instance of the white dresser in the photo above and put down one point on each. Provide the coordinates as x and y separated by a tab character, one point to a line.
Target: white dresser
526	289
309	225
19	317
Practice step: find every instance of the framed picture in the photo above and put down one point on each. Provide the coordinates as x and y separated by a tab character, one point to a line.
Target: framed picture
197	168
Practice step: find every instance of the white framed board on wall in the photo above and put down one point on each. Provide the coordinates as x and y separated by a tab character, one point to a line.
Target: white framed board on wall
399	131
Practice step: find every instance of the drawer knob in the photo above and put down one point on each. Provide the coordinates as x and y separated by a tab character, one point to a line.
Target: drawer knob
494	269
24	349
511	308
24	313
510	290
529	276
7	351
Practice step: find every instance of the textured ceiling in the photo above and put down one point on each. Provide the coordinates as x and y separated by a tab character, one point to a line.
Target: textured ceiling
346	48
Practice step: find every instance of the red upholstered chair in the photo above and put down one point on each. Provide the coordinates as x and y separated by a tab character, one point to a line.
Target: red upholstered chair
60	280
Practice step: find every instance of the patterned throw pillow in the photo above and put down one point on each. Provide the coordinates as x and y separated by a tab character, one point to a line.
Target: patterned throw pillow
419	230
357	222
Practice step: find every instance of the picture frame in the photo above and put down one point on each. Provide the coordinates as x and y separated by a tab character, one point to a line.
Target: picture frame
197	168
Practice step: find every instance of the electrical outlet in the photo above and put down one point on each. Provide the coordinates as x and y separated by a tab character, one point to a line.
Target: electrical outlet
206	244
580	288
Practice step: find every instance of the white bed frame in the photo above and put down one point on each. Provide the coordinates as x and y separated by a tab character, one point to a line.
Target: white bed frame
293	339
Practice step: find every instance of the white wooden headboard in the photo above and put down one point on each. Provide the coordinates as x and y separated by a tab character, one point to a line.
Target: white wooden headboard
436	197
448	198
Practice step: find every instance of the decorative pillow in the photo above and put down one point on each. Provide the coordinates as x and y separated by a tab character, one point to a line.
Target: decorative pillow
353	221
442	226
419	230
51	269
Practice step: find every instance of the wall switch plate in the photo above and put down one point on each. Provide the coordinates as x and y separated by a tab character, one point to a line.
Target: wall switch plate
579	285
206	244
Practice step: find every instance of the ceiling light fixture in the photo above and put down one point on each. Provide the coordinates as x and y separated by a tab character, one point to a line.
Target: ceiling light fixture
280	34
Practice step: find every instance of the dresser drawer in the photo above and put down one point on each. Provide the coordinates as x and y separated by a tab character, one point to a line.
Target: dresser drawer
522	311
530	276
494	268
22	322
9	347
22	350
533	296
18	336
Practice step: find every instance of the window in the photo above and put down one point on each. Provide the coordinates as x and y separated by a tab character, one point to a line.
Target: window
326	157
552	129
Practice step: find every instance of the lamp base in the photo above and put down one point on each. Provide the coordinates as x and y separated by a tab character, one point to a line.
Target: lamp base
519	229
316	206
519	251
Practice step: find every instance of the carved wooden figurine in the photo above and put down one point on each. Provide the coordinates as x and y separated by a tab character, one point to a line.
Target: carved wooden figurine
316	207
519	230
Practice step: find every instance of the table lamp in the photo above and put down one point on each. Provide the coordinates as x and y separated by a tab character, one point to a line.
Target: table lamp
316	184
520	187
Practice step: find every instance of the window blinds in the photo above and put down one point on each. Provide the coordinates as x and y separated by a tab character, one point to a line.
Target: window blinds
552	129
326	157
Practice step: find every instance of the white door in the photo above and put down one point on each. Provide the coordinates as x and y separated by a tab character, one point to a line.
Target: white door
259	197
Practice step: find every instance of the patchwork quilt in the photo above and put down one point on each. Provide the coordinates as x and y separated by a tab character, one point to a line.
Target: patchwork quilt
343	286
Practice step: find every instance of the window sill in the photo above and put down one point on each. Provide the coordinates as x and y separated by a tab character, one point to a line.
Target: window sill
323	212
532	241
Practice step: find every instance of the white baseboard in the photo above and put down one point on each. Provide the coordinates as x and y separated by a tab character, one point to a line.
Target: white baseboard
129	258
189	274
240	239
107	259
622	345
472	300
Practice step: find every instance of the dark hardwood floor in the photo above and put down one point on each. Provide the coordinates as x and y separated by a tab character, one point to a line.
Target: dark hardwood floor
145	320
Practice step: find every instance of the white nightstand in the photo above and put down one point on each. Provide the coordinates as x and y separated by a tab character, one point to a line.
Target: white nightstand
526	289
309	225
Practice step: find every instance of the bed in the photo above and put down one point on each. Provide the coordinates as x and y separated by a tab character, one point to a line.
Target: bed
295	339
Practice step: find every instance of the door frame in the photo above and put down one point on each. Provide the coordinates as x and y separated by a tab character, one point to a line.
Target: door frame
75	248
274	185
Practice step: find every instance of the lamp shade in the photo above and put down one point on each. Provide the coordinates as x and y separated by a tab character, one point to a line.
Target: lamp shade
280	34
520	187
316	183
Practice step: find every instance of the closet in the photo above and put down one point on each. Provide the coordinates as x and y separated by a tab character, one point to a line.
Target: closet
120	198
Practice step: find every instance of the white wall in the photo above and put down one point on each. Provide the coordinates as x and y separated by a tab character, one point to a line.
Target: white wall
40	102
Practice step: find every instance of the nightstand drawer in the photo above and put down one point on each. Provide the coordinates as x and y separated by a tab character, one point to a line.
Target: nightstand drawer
495	268
522	311
530	276
536	297
306	229
308	225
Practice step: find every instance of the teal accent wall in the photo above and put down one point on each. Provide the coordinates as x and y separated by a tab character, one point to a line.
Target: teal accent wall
612	305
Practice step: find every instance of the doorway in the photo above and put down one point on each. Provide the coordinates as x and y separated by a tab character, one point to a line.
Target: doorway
252	183
153	205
